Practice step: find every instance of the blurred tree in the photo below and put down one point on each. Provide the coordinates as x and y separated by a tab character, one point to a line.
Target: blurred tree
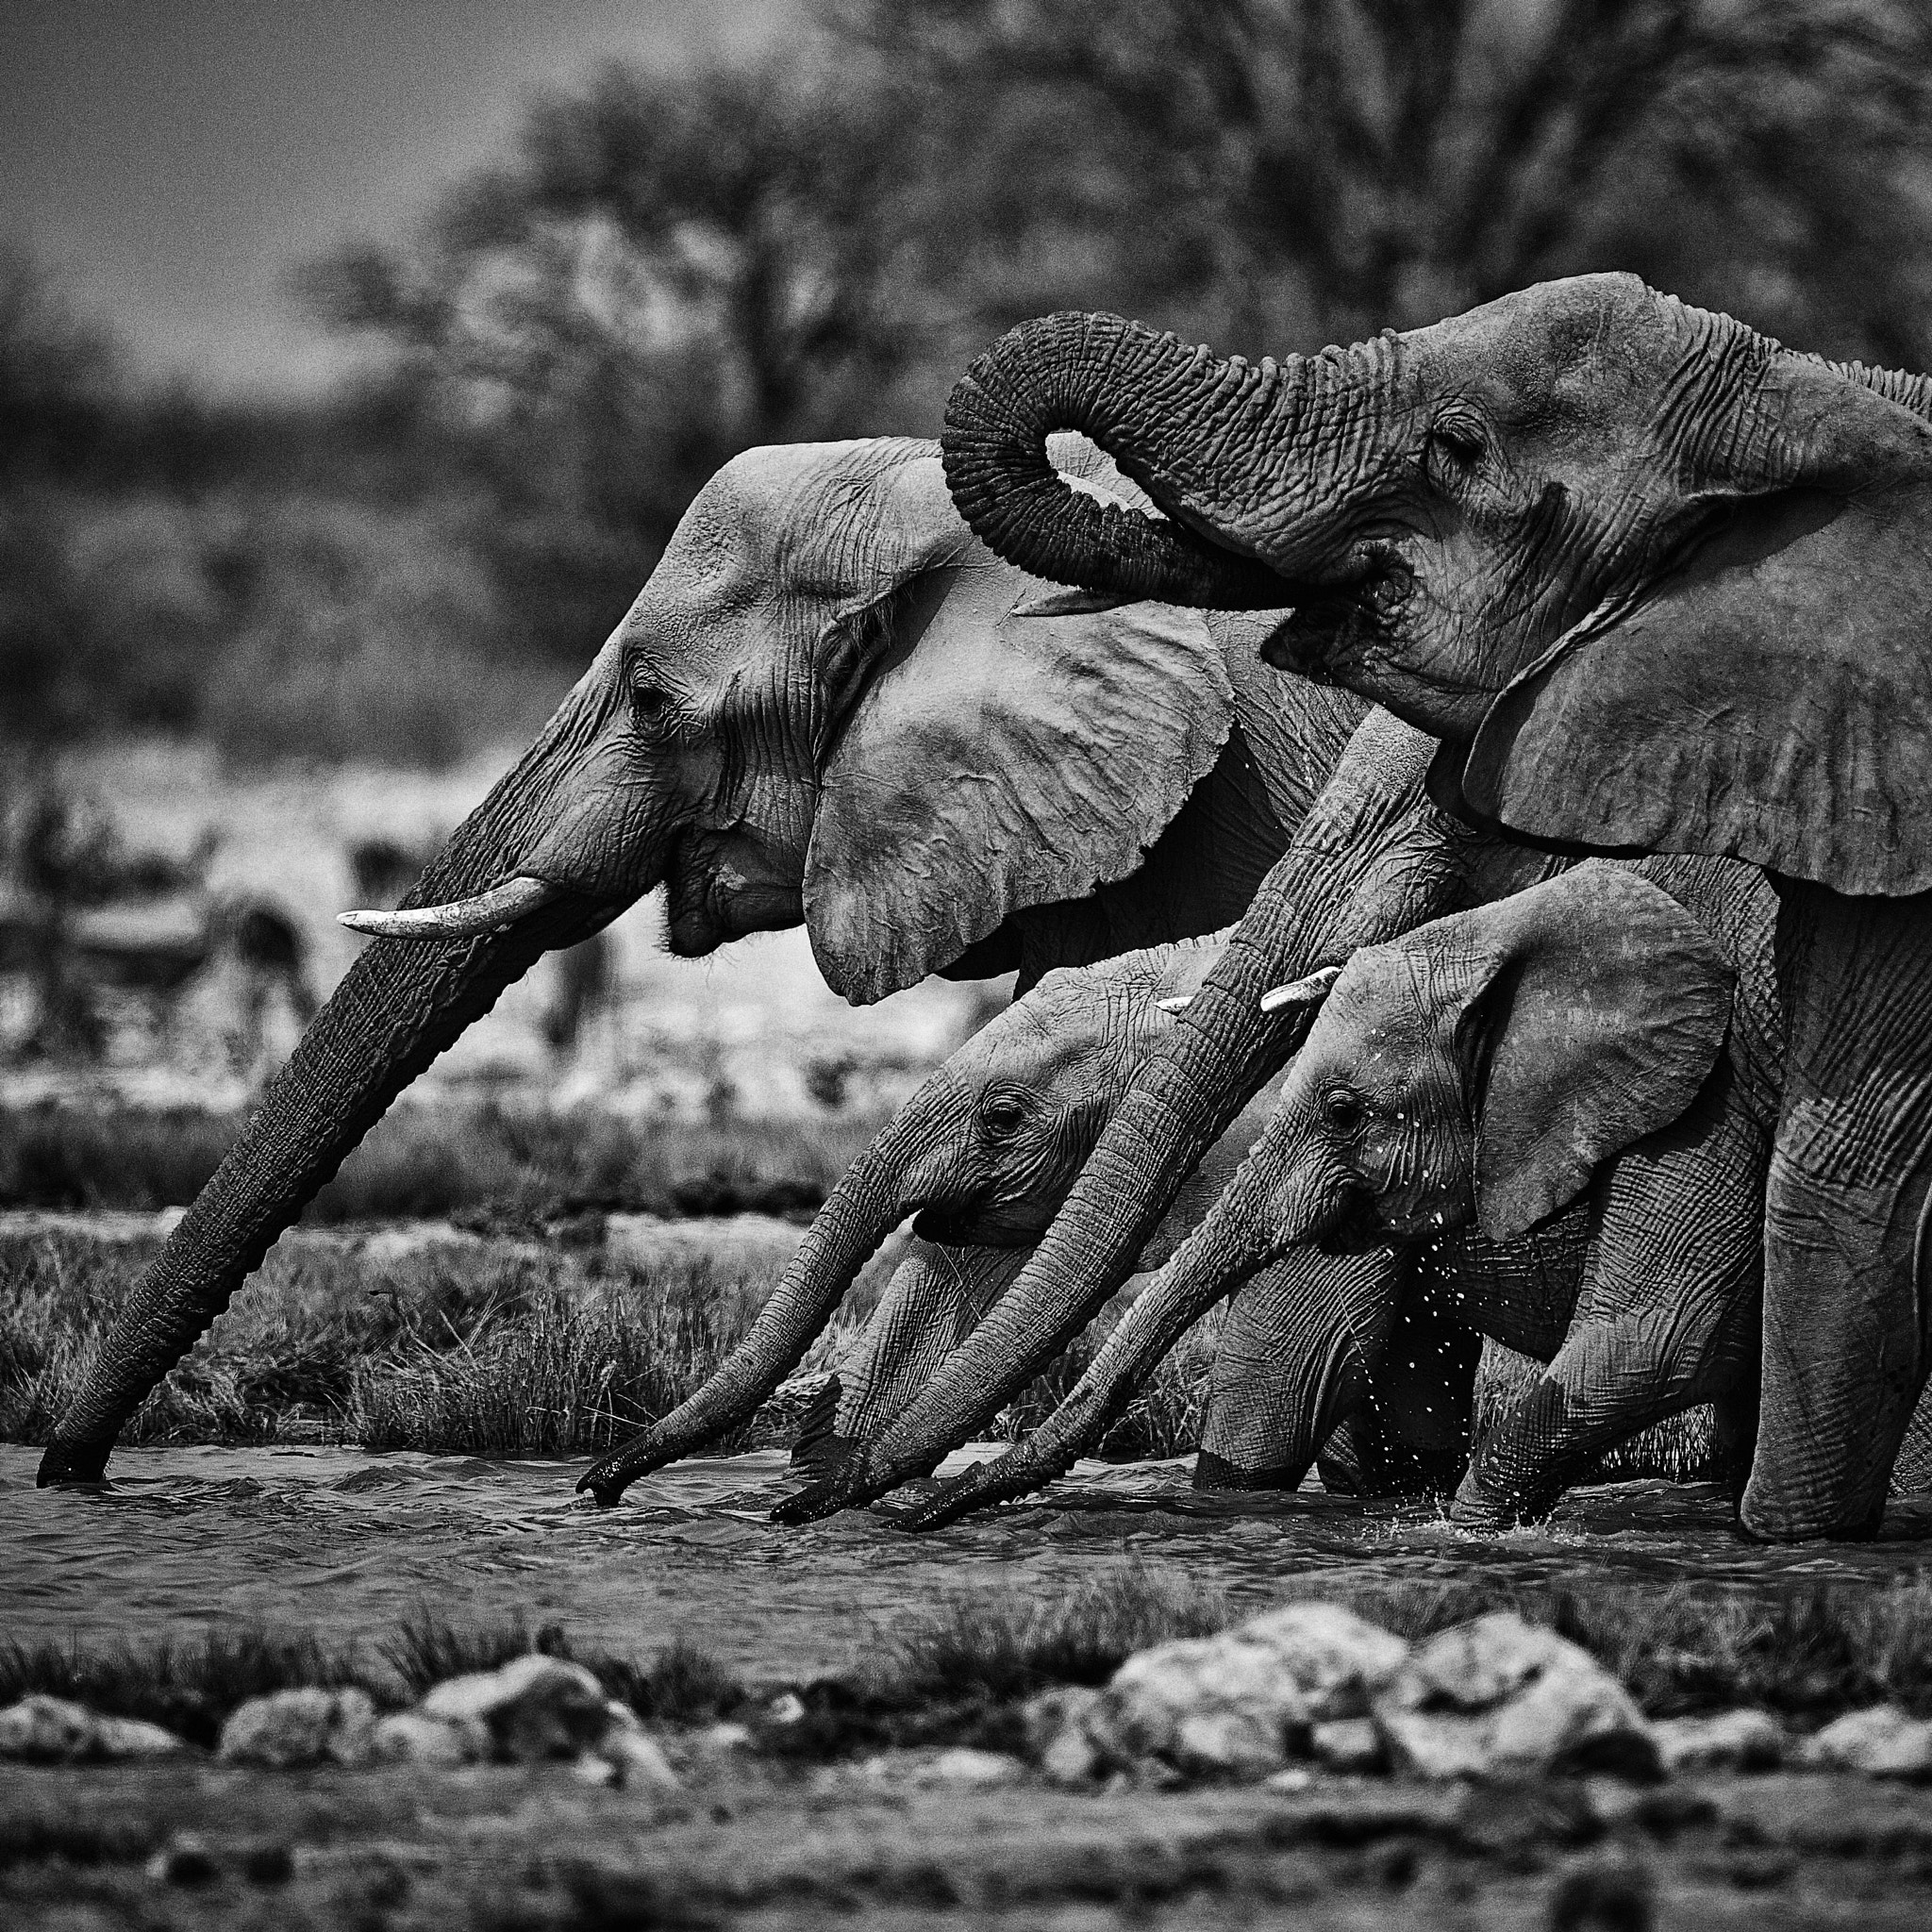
1291	171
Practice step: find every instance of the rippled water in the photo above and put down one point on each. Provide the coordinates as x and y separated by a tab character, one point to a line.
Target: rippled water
346	1542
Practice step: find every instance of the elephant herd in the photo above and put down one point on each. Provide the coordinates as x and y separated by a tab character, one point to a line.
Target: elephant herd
1460	809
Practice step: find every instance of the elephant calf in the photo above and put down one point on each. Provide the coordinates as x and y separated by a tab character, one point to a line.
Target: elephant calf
1565	1101
982	1156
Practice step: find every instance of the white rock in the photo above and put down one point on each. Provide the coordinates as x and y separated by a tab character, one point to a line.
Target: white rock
409	1737
1498	1694
971	1768
1884	1741
785	1709
1726	1741
724	1737
1223	1704
1337	1660
298	1727
51	1731
534	1707
1293	1779
635	1758
592	1768
1348	1744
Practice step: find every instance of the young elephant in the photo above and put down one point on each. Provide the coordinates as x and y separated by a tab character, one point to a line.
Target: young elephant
1462	1088
982	1155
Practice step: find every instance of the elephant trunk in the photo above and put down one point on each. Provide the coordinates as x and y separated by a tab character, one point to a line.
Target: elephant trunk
1224	1047
865	1206
1168	414
400	1004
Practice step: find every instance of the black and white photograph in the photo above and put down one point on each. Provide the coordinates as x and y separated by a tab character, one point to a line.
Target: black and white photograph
965	963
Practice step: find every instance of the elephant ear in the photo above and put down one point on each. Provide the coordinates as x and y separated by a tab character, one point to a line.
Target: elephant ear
1596	1012
1000	754
1771	698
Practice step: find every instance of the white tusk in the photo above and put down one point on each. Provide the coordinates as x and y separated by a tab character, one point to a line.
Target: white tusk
1178	1004
1311	992
495	910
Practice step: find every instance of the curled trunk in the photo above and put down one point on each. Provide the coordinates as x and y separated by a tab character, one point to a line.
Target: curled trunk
1163	411
865	1207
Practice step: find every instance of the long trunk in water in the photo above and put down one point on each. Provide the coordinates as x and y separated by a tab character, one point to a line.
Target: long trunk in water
1223	1048
844	1235
1168	414
397	1008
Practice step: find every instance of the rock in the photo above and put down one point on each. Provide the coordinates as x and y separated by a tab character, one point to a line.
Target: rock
724	1737
1500	1696
298	1727
1884	1741
409	1737
1729	1740
534	1707
1293	1779
788	1708
1348	1744
183	1861
972	1770
50	1730
1222	1704
1058	1737
1337	1660
636	1756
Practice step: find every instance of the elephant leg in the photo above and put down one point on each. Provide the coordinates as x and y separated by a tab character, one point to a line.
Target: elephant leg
1846	1343
1668	1317
935	1298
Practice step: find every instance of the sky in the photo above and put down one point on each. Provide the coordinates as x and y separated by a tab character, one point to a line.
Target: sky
172	161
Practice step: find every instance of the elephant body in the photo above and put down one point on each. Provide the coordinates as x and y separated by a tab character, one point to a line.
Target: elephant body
1548	1119
1654	583
829	704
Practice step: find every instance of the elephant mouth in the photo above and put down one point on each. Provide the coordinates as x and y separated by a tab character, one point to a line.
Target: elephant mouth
710	902
1338	621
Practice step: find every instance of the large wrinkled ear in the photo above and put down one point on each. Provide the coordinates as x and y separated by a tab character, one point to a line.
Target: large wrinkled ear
1596	1012
997	758
1770	698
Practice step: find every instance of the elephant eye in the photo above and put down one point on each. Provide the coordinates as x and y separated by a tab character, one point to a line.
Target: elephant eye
649	702
1341	1107
1001	1114
1456	450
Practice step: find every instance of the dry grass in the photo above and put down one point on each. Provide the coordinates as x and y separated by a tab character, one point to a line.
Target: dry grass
190	1687
530	1351
501	1163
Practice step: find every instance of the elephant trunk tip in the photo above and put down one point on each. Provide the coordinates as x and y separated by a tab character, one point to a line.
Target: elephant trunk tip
65	1465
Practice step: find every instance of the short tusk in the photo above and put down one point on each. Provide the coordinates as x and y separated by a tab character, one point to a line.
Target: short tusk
495	910
1178	1004
1311	992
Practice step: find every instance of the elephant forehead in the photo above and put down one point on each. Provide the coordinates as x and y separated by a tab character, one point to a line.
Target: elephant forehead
1374	1021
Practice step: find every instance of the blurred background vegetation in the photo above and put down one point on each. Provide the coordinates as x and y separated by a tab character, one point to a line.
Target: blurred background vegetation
668	268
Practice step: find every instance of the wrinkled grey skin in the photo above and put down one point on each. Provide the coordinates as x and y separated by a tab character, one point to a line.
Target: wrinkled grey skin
1656	583
1560	1100
982	1156
1373	858
762	737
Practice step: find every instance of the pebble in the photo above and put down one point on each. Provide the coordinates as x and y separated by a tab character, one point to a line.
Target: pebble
972	1770
533	1708
1884	1741
409	1737
1726	1741
291	1728
50	1730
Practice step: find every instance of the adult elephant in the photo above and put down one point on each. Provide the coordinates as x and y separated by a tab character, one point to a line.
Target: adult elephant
1657	584
829	705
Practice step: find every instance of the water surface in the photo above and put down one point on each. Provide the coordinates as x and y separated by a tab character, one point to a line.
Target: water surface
346	1542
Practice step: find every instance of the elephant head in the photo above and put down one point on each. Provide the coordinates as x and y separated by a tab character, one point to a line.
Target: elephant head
829	703
1593	539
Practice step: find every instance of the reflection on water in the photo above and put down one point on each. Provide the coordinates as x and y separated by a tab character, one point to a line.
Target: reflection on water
346	1542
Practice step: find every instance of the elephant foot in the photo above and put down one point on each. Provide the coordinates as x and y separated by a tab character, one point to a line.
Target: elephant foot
1477	1506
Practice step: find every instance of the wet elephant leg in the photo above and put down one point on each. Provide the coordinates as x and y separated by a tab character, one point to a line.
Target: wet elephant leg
1844	1336
935	1298
1668	1317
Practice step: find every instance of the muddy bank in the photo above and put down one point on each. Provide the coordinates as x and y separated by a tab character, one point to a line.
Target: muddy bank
342	1540
745	1843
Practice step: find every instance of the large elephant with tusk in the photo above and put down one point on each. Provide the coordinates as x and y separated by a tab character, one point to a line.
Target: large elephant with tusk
830	704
